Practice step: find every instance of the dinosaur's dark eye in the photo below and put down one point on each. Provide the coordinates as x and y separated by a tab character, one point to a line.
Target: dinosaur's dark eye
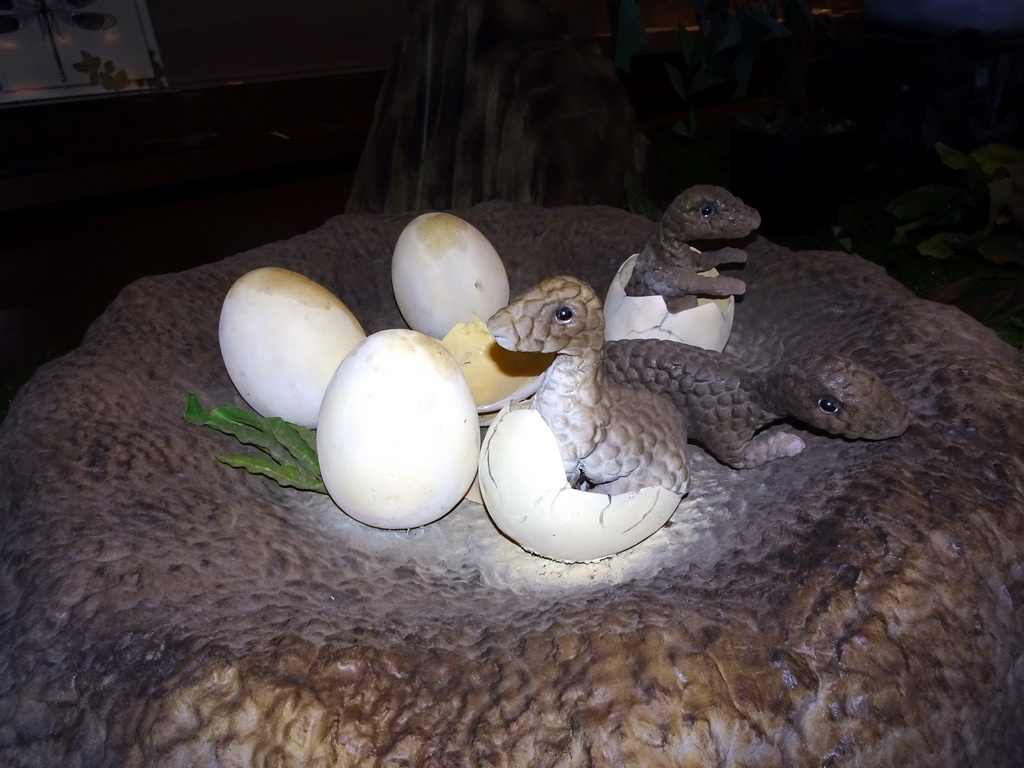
563	314
707	210
828	405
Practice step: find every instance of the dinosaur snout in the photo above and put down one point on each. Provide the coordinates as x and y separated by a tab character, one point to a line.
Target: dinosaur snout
890	422
503	329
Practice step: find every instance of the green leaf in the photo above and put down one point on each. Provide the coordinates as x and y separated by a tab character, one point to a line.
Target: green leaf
687	128
730	35
924	201
1015	202
843	239
292	448
630	33
675	79
999	191
298	441
743	66
950	157
286	476
941	245
242	425
977	183
704	80
994	158
688	45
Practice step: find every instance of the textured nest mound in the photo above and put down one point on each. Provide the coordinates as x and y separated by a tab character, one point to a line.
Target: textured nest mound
857	605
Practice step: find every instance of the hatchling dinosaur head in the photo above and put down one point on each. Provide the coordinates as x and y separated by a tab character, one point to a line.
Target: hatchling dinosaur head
561	314
835	394
708	212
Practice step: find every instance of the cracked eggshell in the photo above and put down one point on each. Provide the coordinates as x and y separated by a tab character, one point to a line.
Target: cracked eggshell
398	437
707	325
282	336
444	271
529	499
496	375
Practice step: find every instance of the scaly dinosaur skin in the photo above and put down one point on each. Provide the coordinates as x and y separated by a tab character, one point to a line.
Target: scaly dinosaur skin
610	438
726	401
668	266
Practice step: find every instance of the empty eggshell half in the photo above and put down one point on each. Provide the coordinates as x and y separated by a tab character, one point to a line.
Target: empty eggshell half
282	336
398	437
444	271
707	325
529	499
496	375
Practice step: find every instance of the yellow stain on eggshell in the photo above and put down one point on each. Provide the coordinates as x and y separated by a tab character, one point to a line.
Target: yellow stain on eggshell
442	232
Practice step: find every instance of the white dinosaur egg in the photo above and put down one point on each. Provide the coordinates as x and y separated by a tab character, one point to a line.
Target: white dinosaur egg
398	437
707	325
282	336
529	499
444	271
496	375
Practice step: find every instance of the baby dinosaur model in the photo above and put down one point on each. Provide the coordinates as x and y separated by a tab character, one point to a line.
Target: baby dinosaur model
668	266
611	438
726	401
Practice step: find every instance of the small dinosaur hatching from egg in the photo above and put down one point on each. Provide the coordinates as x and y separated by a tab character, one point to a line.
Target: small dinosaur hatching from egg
611	438
670	267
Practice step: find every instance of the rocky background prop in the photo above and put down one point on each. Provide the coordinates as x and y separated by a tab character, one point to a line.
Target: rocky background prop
498	100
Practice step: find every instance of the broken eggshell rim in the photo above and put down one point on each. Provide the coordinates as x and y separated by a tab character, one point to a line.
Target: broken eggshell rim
528	498
707	325
468	343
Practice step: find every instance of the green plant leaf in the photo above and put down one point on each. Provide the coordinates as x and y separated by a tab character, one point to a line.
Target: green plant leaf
630	33
688	45
950	157
1015	203
291	448
729	34
298	441
240	424
941	245
743	66
704	80
687	128
675	79
995	158
283	475
925	201
977	184
999	191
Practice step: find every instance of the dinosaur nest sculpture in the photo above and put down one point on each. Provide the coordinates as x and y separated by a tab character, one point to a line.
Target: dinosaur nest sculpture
856	605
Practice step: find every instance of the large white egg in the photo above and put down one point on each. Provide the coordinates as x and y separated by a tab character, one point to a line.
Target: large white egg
444	271
282	336
525	491
707	325
398	438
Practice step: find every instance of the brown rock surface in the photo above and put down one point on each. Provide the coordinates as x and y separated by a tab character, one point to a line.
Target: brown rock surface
857	605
